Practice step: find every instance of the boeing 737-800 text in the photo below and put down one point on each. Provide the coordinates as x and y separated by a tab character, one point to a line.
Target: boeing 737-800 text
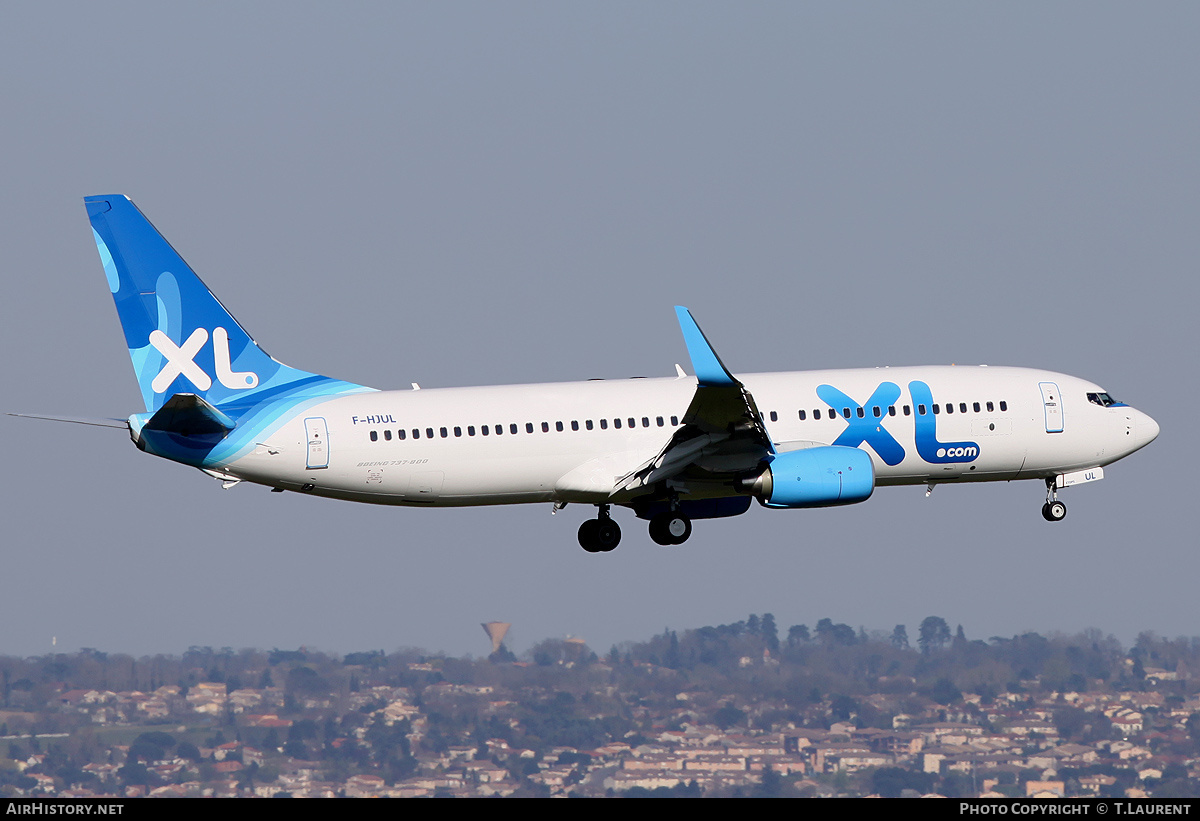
672	449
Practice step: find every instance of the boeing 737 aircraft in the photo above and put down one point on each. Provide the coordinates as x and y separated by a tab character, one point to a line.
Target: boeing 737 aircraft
672	449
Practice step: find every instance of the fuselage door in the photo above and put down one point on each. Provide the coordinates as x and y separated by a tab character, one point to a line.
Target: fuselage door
1052	405
318	442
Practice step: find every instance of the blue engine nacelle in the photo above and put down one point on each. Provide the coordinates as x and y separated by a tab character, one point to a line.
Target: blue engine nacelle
815	477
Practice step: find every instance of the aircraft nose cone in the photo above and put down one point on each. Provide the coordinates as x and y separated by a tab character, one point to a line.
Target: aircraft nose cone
1140	430
1146	429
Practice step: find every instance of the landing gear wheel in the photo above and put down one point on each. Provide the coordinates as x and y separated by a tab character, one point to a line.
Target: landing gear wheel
587	536
670	528
608	534
1054	511
601	534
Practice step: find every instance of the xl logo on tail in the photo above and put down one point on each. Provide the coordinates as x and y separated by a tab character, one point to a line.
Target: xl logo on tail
181	362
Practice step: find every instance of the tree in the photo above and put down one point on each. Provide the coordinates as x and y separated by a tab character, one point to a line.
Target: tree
900	637
935	634
944	692
728	716
960	639
797	634
830	633
1193	728
770	632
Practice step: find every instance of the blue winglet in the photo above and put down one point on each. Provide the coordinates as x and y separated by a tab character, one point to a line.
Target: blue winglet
710	370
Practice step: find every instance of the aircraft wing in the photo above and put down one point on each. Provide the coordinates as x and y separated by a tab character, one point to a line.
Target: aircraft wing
722	430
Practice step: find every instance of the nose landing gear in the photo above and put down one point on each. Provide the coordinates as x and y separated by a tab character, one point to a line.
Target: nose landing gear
1053	510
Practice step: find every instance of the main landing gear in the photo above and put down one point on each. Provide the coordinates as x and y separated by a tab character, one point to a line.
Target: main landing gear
1053	510
601	534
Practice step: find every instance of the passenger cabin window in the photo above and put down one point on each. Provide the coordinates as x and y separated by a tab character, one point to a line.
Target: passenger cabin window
444	432
990	407
387	434
674	421
975	407
962	407
907	411
374	436
774	416
949	407
801	415
617	423
457	430
603	424
1003	406
876	411
588	424
401	434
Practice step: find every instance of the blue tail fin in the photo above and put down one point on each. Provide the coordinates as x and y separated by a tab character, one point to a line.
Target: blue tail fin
180	337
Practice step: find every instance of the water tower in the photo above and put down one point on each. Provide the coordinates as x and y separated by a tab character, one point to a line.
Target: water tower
496	630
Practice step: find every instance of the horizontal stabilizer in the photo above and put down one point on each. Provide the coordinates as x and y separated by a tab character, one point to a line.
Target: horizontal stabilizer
187	414
100	422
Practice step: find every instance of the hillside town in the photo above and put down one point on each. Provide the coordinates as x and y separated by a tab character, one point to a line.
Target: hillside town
732	710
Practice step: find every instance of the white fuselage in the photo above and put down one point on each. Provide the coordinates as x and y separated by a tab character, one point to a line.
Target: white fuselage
568	442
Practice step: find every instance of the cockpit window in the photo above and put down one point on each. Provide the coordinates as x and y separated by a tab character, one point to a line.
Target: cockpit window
1102	399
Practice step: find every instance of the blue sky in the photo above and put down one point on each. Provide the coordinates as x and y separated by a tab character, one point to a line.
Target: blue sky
478	193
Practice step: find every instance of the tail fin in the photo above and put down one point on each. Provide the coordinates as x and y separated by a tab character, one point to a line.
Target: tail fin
180	337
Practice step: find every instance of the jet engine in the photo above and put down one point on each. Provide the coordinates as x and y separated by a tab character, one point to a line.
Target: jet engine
814	477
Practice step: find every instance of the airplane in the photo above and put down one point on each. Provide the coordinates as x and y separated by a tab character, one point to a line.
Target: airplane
673	449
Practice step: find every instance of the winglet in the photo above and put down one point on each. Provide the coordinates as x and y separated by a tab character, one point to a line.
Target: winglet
710	370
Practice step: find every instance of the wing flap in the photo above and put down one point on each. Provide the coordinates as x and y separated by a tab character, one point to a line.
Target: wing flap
597	479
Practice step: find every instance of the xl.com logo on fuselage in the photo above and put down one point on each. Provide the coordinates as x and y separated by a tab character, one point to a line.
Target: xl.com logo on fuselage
870	429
